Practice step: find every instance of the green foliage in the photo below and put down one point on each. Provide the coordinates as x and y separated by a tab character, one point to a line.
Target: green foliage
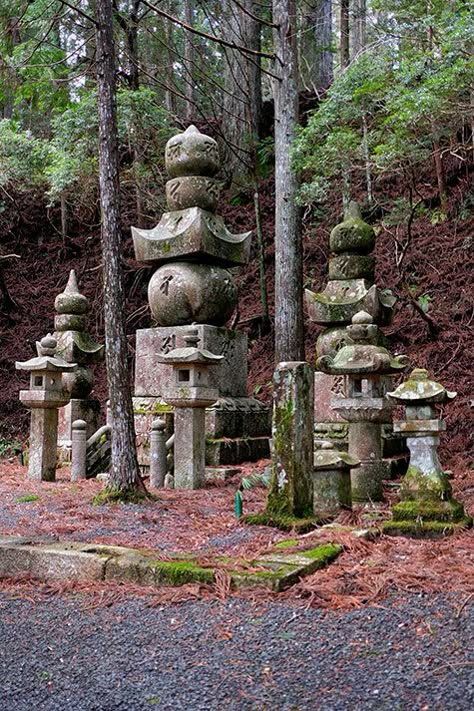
396	101
27	498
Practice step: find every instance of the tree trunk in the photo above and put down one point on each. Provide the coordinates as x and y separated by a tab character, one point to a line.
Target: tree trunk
358	26
124	475
170	97
344	34
242	98
289	342
316	71
189	62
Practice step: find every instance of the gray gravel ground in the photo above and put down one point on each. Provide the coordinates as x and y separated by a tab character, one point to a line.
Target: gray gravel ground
415	652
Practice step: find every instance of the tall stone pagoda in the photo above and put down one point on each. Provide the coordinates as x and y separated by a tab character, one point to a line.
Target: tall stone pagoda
193	251
350	289
75	345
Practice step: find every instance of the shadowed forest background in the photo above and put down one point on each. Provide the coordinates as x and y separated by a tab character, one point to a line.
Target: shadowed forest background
386	117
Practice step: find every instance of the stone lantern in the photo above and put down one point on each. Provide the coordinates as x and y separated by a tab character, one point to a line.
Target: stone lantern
367	366
426	503
45	396
190	393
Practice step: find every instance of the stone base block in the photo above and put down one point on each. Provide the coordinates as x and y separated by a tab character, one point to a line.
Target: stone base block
427	519
238	417
366	481
229	377
220	475
331	492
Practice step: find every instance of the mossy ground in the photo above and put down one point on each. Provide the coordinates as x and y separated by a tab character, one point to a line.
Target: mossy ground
425	529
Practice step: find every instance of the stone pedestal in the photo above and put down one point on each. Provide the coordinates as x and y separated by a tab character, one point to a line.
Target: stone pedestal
43	436
332	481
365	444
292	431
237	426
189	456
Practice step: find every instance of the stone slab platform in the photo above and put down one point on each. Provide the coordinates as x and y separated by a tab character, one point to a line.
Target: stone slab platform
45	560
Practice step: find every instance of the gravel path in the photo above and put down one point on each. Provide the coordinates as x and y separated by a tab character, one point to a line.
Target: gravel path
413	653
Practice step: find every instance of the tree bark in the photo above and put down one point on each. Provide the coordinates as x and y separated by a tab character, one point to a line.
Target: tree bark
344	34
124	475
358	26
316	72
189	61
289	341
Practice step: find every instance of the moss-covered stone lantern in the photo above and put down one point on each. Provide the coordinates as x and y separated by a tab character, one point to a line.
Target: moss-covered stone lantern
45	396
190	394
427	506
367	366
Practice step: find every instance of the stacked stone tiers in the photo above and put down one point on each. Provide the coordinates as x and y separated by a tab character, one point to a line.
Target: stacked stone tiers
350	290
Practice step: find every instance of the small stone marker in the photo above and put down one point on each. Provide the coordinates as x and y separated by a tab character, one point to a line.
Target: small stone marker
45	396
292	431
158	453
79	450
332	481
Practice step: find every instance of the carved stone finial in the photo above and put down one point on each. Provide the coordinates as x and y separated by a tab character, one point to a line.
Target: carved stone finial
47	346
191	338
71	301
191	153
353	210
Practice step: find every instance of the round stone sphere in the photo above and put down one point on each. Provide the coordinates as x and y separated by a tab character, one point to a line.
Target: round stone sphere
181	293
191	153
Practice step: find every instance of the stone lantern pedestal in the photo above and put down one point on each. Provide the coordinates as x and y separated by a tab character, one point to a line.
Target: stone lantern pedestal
190	393
427	507
45	396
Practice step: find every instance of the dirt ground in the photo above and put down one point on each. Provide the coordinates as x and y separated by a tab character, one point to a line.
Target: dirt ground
203	523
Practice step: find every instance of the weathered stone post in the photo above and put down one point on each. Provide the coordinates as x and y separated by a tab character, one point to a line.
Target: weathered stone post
292	432
332	481
45	396
190	394
78	450
427	506
367	366
158	453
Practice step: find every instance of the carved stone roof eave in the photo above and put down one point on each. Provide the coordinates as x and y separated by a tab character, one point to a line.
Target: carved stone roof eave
346	362
191	234
324	310
45	363
189	355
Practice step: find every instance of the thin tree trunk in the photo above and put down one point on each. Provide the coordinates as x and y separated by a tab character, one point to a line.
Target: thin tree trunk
289	336
124	475
261	262
170	98
189	61
365	150
344	36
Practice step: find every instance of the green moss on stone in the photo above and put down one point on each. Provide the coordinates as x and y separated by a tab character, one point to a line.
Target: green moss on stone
289	543
180	572
425	529
324	553
451	510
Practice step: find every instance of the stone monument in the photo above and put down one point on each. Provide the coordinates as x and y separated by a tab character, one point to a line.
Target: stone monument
75	345
46	395
332	481
350	289
367	366
193	251
427	507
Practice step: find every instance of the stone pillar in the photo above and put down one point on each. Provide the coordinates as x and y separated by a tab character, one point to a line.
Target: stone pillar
43	438
78	450
365	443
190	448
158	453
292	432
